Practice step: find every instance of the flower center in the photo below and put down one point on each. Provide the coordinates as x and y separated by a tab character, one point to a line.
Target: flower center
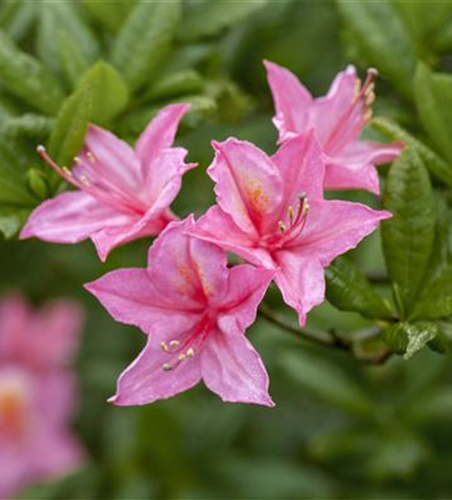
356	115
85	178
291	228
188	346
13	406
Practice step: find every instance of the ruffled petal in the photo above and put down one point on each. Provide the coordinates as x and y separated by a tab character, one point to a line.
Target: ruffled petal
301	281
233	369
70	217
292	101
344	176
145	381
217	227
248	185
334	227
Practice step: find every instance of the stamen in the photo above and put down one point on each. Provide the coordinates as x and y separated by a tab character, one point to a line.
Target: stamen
91	157
282	226
291	214
190	352
77	160
167	367
174	343
164	346
85	180
181	357
66	171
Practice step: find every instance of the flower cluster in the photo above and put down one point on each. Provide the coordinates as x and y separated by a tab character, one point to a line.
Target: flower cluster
270	211
37	392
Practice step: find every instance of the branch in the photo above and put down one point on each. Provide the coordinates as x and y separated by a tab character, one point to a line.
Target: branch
322	338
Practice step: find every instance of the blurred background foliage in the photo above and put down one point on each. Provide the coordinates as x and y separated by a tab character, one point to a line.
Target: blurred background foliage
341	428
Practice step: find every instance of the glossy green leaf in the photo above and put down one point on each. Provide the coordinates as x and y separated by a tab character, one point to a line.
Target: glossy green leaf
206	19
433	93
70	127
441	169
26	78
109	93
144	40
73	62
327	382
409	338
110	13
408	236
435	300
16	17
382	40
349	290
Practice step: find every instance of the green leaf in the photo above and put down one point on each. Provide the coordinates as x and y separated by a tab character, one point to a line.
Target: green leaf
349	290
382	39
70	128
72	60
207	19
12	218
144	40
110	13
327	382
409	338
437	167
26	78
435	301
109	93
176	84
433	93
27	125
408	236
16	17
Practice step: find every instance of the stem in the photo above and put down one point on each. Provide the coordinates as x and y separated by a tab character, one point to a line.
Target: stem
325	339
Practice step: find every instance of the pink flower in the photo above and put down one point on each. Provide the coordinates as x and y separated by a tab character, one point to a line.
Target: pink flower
338	120
37	393
195	311
271	212
122	194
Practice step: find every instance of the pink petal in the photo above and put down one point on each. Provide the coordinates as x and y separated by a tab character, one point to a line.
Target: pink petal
15	319
217	227
71	217
332	115
133	297
233	369
187	269
301	281
359	153
345	176
246	289
292	101
144	381
113	162
159	134
248	185
334	227
301	165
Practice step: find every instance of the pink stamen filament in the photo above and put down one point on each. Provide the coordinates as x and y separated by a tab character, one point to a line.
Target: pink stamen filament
82	181
366	94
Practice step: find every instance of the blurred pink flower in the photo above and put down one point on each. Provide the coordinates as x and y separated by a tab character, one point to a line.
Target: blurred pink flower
37	393
271	212
123	194
338	120
195	311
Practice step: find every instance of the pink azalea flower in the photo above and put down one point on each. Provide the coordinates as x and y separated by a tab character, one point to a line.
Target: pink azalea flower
37	393
271	212
122	194
195	311
338	120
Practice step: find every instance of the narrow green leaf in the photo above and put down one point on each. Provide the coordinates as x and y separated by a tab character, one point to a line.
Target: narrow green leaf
433	93
207	19
144	40
12	219
110	13
435	300
408	236
349	290
176	84
109	93
437	167
327	382
382	39
16	18
70	128
27	125
73	62
26	78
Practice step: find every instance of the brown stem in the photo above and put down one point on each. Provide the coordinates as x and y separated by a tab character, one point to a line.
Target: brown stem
321	338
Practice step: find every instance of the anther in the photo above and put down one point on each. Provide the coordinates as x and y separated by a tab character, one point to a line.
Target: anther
190	352
282	226
77	159
91	157
41	149
181	357
84	179
164	346
290	213
66	171
174	343
167	367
